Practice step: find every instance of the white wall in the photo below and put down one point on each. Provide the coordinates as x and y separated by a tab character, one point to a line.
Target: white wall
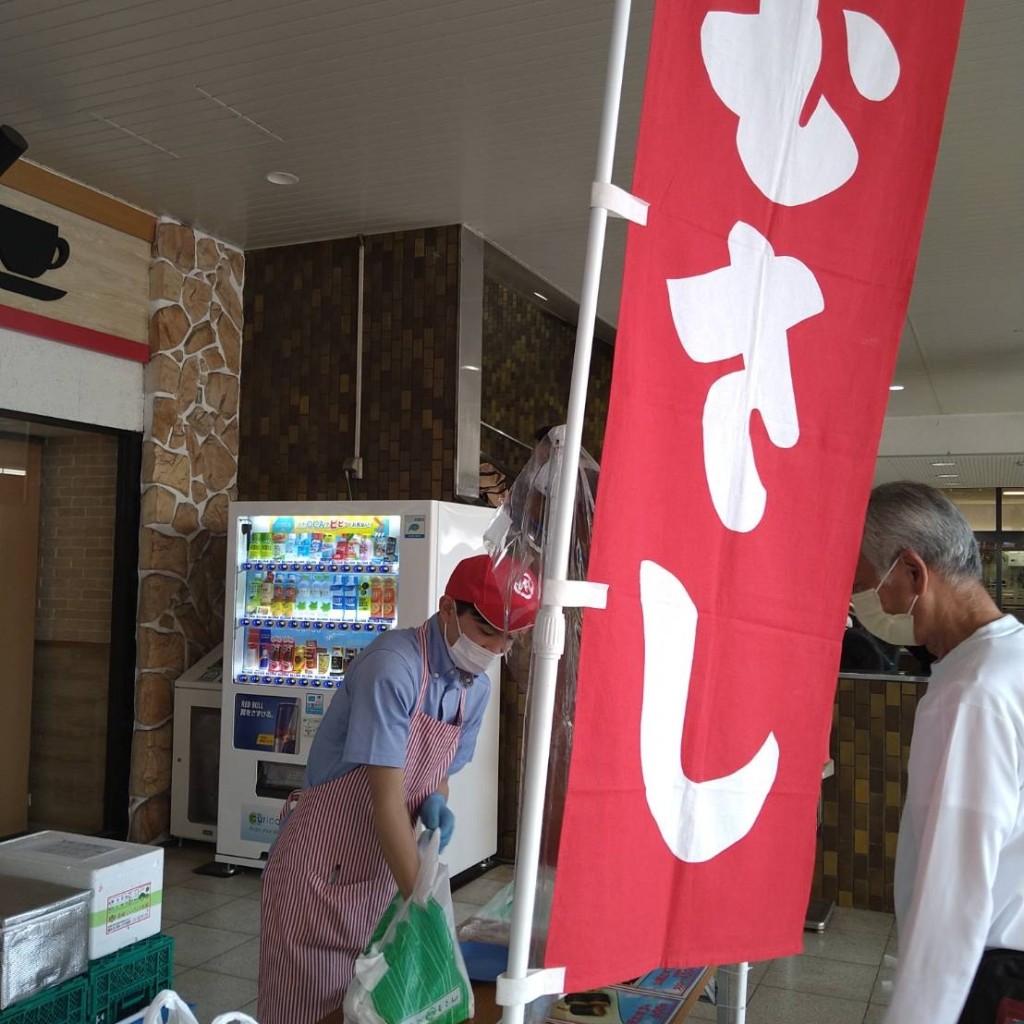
48	378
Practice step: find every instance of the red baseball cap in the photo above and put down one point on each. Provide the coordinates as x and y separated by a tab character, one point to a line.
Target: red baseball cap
491	590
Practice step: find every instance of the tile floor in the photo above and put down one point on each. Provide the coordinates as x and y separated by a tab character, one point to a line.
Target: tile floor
839	979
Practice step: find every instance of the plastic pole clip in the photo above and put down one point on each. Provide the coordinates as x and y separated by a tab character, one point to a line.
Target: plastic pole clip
575	593
618	202
549	981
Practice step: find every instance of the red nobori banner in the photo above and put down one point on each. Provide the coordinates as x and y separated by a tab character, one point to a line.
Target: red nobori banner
786	150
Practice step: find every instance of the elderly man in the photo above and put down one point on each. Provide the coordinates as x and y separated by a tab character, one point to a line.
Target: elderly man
959	884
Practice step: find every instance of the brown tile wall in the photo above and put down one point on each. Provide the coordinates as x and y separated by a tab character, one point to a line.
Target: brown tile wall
76	538
527	368
299	363
861	804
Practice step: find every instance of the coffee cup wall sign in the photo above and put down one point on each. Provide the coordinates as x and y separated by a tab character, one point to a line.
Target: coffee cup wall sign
29	247
70	269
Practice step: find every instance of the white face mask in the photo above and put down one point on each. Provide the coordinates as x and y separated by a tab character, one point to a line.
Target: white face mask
469	655
893	629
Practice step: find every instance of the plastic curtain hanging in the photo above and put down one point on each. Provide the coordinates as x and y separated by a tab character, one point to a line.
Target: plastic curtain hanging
517	534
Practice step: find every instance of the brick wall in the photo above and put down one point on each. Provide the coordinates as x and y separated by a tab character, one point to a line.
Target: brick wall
861	803
527	368
299	368
76	538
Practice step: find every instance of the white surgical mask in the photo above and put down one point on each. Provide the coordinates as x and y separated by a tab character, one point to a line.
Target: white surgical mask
469	655
893	629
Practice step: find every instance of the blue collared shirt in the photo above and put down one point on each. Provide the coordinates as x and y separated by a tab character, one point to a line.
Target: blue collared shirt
368	719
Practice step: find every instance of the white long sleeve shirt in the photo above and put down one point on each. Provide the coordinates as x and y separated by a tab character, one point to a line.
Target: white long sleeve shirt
959	885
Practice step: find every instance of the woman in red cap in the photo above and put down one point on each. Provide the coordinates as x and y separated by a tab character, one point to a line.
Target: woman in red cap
406	719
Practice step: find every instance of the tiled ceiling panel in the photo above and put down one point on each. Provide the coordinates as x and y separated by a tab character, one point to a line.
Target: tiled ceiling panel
403	113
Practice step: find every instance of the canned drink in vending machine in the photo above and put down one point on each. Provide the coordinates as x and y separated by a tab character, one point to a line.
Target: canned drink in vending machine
285	727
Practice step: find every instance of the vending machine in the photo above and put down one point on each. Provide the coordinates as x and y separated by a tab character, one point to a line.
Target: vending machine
308	587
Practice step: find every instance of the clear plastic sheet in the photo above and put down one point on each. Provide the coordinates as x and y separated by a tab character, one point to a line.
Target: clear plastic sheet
517	534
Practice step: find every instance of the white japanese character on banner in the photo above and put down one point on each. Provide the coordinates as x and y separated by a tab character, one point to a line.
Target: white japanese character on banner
762	66
697	820
745	310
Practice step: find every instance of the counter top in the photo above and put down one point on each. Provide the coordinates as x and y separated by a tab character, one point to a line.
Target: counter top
885	677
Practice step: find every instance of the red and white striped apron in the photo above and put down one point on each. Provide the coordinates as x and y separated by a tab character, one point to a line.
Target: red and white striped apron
327	883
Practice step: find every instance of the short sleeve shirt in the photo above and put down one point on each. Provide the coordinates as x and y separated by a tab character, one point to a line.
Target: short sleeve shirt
369	717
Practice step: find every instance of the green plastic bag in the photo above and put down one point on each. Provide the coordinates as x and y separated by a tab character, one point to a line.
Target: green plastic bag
412	970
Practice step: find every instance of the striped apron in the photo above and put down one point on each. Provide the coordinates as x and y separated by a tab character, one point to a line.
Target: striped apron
327	883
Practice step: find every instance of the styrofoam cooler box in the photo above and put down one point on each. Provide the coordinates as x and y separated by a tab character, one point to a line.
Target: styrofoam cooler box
126	880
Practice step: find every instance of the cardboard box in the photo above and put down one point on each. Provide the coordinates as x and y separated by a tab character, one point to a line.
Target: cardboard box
126	880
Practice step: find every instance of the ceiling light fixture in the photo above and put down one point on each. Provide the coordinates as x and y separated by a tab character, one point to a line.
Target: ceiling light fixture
282	178
949	476
897	387
943	464
543	298
1013	494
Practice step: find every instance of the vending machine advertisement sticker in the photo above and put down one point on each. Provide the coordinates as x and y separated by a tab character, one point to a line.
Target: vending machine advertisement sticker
314	714
258	824
415	528
266	723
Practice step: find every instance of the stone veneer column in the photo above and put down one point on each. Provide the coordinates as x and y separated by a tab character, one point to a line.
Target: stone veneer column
189	470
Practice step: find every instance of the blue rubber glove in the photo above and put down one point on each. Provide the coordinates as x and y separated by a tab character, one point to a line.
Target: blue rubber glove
435	813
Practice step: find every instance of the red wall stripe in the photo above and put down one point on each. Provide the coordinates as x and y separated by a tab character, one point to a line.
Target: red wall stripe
72	334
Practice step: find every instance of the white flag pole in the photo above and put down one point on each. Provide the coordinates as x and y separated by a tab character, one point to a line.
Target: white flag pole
514	992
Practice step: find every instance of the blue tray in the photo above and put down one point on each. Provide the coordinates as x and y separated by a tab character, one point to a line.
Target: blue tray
484	960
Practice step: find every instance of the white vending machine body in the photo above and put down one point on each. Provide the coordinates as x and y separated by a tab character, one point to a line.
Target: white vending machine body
269	719
196	749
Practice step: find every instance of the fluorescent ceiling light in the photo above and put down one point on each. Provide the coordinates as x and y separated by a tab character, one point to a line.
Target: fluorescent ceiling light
896	387
1013	494
949	476
8	471
282	178
943	463
543	298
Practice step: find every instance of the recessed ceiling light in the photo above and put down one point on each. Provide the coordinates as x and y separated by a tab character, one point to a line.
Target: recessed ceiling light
897	387
943	463
282	178
1013	494
949	476
543	298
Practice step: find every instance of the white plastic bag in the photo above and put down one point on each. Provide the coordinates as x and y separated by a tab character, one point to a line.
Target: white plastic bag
412	969
169	1008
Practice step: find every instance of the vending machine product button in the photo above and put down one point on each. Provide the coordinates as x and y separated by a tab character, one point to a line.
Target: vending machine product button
318	625
328	685
244	622
282	623
246	566
333	567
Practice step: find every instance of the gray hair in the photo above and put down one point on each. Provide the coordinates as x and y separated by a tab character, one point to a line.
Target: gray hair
906	515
